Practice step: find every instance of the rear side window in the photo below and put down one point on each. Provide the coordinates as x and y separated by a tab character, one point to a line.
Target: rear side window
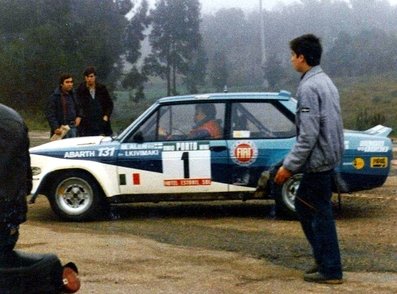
260	120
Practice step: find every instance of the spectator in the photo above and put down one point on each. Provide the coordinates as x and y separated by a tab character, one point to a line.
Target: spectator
318	150
97	106
62	109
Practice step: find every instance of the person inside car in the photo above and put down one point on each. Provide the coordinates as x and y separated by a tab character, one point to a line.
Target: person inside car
205	124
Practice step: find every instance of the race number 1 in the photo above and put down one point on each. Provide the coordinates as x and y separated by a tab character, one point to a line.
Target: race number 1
186	164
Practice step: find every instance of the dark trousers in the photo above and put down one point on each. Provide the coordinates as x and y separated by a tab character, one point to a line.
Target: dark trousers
314	208
8	239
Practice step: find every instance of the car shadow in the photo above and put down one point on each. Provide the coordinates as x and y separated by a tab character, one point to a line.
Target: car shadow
197	210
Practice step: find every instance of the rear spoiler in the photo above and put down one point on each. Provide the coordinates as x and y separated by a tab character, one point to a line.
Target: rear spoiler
379	130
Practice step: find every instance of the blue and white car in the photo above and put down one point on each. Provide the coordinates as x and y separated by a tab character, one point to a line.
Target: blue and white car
155	159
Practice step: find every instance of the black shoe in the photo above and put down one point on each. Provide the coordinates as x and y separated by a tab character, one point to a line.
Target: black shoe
312	270
320	278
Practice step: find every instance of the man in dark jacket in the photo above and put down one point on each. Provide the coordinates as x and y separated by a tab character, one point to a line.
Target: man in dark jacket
15	176
18	270
63	109
96	104
318	150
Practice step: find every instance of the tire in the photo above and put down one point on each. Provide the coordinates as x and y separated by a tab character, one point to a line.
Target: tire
285	197
76	196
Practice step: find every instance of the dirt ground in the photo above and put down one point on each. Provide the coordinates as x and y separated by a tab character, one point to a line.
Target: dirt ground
219	247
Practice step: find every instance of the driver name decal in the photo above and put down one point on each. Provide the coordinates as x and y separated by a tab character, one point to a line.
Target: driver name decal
244	153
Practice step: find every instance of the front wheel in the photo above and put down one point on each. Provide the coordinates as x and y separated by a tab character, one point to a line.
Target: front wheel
285	196
76	196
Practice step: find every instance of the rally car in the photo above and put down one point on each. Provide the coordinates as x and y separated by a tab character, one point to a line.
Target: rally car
157	159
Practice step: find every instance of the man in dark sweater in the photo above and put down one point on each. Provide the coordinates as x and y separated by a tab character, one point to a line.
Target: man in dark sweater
96	104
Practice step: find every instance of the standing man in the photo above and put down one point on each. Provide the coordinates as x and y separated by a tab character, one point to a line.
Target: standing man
96	104
63	109
318	150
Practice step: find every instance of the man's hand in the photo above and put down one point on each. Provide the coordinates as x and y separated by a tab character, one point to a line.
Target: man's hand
282	175
58	131
77	121
105	118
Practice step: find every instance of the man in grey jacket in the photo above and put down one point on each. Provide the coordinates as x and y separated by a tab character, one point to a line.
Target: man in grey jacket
317	151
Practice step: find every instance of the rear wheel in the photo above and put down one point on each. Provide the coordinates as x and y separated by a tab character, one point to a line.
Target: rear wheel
285	196
76	196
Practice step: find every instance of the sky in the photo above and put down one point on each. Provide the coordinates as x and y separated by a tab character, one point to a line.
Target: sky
209	6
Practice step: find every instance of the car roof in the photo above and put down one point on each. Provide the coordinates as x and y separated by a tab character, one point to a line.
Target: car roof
282	95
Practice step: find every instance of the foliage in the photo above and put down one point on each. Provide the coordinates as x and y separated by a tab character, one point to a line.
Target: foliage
228	32
359	54
219	72
135	34
366	119
176	43
358	36
43	38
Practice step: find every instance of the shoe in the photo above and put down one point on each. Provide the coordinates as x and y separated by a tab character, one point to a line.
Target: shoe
312	269
320	278
71	281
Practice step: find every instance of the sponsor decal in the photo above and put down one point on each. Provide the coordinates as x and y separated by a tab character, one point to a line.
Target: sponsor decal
379	162
136	179
244	153
186	146
358	163
187	182
372	146
101	152
79	154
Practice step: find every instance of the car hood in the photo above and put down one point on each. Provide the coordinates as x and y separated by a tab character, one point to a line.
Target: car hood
70	143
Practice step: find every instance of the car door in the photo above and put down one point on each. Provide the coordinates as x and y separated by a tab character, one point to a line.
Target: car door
262	132
163	156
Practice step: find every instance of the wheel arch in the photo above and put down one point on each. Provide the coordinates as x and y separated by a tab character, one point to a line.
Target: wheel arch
48	180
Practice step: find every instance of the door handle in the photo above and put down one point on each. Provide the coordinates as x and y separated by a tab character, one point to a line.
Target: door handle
218	148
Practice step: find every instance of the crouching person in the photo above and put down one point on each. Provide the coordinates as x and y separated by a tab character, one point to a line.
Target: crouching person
22	272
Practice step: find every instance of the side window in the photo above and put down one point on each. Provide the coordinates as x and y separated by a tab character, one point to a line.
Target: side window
146	132
260	120
200	121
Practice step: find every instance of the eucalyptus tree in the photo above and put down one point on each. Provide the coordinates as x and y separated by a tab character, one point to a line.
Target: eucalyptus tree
175	41
133	38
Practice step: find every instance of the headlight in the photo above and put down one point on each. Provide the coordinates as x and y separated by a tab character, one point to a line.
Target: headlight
36	170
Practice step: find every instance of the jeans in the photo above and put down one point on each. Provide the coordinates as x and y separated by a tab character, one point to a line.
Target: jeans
314	208
72	132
